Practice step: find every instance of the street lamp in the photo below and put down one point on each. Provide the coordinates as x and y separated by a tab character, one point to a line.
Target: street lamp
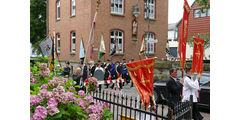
135	10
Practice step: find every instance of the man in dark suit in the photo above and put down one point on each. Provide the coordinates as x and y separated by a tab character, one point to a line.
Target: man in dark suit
174	88
107	74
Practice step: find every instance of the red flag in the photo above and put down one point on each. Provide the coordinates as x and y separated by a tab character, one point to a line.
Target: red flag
184	34
141	73
197	63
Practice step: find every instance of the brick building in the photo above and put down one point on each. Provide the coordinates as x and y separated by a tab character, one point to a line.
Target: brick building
71	20
199	23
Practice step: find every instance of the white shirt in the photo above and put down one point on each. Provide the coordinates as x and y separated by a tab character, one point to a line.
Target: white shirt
190	87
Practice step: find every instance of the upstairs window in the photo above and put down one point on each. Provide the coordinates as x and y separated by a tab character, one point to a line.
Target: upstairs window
73	42
73	8
117	6
149	9
198	13
149	37
58	42
58	10
117	36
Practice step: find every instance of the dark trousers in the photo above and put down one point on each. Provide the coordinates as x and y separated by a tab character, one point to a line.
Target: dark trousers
195	112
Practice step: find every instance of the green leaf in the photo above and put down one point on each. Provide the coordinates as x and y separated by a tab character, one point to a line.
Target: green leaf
58	115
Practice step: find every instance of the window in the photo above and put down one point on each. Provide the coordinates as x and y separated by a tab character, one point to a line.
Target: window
208	12
149	37
117	6
204	14
197	13
73	8
73	42
117	35
151	11
58	10
58	43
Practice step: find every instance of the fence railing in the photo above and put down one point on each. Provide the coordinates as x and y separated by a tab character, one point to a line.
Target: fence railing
126	107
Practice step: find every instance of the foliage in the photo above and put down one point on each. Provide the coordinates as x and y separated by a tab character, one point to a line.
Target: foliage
92	84
37	23
204	3
54	97
203	36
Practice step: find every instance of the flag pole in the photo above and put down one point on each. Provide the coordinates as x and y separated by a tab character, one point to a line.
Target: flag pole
90	35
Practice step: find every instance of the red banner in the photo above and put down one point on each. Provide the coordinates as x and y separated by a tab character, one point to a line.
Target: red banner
141	73
198	49
184	34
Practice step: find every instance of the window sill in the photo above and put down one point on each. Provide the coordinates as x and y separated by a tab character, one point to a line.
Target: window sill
153	19
57	20
119	54
117	14
72	16
73	53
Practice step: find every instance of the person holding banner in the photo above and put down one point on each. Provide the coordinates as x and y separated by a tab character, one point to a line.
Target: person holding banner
66	70
191	87
174	88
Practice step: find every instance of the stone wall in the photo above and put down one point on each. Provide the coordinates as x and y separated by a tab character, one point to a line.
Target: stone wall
161	69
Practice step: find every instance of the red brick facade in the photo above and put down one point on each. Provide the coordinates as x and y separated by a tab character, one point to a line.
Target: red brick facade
105	23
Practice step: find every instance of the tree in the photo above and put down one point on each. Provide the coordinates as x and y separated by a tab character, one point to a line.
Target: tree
203	36
37	23
204	3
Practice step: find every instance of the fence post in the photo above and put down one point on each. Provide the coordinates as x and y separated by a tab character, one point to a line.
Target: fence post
191	104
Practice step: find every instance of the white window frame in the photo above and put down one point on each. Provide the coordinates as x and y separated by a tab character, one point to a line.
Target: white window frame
197	13
58	9
58	42
151	9
73	42
115	6
73	7
149	45
204	14
208	12
118	39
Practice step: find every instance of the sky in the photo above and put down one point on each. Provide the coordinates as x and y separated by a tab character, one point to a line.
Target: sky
175	10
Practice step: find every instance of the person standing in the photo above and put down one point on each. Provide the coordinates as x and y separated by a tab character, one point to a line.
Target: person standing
99	74
77	77
66	69
174	88
191	87
107	74
92	68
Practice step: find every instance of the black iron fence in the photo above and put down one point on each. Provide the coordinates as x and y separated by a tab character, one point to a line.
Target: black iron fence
126	107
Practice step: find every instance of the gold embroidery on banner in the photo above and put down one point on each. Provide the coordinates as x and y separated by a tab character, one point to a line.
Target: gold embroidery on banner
144	81
197	43
144	66
185	28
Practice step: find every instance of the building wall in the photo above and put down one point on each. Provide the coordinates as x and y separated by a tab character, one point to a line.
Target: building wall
105	22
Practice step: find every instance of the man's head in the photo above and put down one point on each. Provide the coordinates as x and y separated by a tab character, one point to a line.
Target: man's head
117	62
173	72
124	60
188	71
67	63
78	70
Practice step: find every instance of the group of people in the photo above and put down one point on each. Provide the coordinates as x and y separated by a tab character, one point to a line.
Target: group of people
180	91
108	70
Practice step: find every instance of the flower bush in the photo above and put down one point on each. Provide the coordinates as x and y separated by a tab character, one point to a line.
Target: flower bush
92	84
54	97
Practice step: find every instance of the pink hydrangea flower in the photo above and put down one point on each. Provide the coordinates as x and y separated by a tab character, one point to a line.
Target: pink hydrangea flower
89	99
44	86
106	105
40	113
52	82
35	100
42	66
33	80
52	110
70	96
64	79
81	93
52	102
94	116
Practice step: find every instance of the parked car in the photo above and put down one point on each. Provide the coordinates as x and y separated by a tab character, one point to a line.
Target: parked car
160	94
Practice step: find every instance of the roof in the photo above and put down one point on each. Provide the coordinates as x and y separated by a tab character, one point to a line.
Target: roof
172	26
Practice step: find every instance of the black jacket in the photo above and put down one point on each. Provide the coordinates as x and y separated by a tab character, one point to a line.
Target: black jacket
174	89
85	73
